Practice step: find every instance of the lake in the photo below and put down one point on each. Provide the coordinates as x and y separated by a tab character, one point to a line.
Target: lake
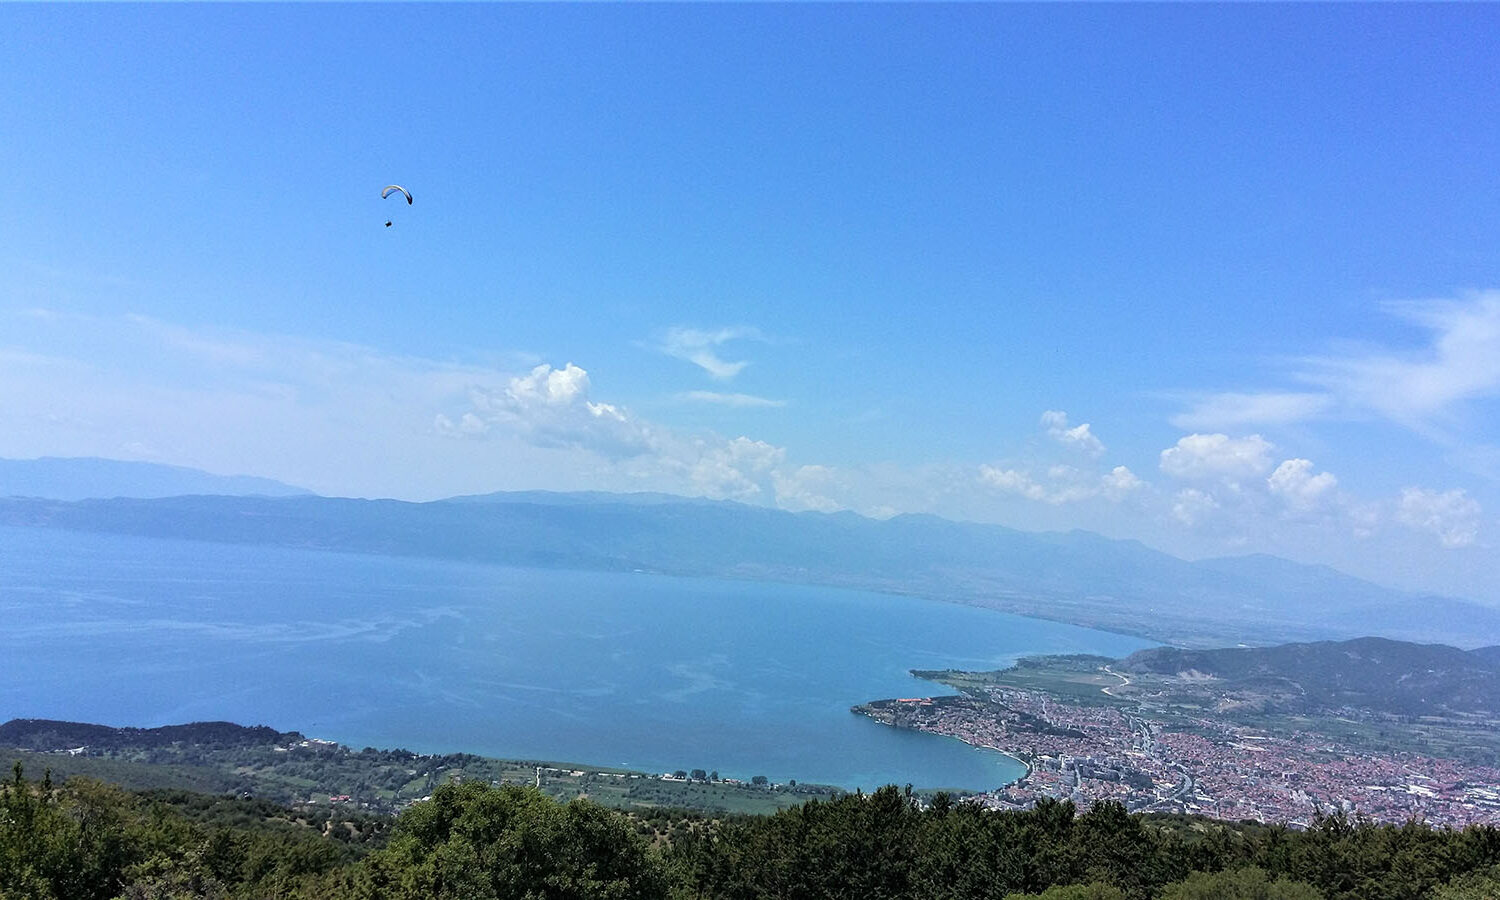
640	671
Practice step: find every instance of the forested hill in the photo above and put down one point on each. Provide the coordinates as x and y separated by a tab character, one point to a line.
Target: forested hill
1491	654
1369	673
1074	577
49	735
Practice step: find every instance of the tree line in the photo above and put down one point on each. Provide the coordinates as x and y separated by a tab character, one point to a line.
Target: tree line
85	840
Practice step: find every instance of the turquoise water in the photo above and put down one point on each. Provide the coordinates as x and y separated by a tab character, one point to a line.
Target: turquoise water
641	671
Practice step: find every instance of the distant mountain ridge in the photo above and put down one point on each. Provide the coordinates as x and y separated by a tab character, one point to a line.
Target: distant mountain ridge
580	498
1076	577
1367	673
82	478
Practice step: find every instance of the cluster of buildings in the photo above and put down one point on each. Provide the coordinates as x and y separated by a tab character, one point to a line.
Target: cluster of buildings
1091	753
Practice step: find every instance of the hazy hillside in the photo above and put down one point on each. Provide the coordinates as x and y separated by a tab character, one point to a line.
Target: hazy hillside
80	478
1489	654
1371	673
579	498
1076	577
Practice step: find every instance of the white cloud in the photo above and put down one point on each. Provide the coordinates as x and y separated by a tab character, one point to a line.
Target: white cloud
734	400
808	488
1010	481
1451	515
737	469
330	416
549	387
1120	482
1236	410
1078	436
1063	484
352	420
1364	519
467	426
1423	388
550	407
697	346
1294	482
1461	363
1217	456
1191	506
341	418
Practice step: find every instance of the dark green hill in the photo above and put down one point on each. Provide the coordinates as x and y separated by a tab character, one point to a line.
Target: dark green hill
1369	673
49	735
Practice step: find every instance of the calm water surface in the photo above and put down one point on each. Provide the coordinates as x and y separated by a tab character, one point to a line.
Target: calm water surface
641	671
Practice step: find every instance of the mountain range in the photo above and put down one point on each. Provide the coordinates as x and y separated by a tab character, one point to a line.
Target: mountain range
1077	576
79	478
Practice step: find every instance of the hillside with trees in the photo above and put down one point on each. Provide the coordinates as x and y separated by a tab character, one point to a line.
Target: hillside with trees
1369	673
84	840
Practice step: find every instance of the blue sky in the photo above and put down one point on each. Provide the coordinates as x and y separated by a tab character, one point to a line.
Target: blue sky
884	258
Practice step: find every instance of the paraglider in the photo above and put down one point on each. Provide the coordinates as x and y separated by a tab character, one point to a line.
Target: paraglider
391	189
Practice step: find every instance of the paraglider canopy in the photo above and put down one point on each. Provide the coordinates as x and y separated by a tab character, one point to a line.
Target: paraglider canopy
393	188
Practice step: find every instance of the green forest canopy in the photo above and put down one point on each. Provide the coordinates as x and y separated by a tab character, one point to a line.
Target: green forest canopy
92	841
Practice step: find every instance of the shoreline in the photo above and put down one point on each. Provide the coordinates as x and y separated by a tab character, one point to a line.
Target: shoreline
866	710
1025	764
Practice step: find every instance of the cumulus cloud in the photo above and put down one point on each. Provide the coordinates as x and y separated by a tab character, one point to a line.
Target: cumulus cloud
1239	410
352	420
735	400
1191	506
1294	482
1217	456
736	469
342	418
1078	436
1011	481
1120	483
550	407
809	488
699	347
1451	515
1062	484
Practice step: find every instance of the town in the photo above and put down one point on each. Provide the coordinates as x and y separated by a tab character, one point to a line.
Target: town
1088	753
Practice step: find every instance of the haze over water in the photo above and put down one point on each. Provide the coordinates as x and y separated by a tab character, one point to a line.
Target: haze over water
640	671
